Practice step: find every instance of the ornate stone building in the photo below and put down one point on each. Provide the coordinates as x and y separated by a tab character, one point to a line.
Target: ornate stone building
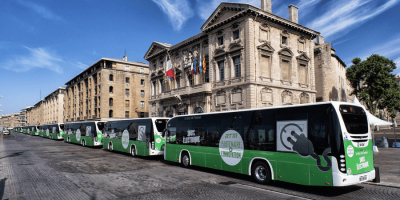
110	88
330	74
253	59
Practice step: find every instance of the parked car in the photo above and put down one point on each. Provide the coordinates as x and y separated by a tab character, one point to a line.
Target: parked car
6	132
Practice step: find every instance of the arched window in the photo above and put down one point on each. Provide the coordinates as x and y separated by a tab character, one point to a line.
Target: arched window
190	79
111	90
111	78
110	102
110	113
198	110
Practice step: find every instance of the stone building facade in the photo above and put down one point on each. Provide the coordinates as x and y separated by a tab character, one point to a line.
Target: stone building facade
53	107
330	74
110	88
253	59
12	120
34	114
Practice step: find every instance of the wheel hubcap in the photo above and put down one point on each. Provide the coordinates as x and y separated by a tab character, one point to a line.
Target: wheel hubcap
133	151
185	160
261	173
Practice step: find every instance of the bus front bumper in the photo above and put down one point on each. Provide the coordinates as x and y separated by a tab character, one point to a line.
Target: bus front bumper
340	179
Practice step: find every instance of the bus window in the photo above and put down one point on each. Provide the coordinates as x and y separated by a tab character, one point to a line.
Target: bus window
62	127
160	124
354	118
100	126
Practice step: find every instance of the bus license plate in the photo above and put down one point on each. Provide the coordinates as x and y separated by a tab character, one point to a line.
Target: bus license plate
363	178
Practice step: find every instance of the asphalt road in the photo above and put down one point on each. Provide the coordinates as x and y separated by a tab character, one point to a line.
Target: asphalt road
33	167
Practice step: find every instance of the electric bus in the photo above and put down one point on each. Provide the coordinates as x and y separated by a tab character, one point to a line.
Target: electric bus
135	136
321	144
56	131
33	130
84	133
44	130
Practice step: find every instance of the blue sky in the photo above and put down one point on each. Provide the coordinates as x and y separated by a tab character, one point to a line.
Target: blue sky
45	43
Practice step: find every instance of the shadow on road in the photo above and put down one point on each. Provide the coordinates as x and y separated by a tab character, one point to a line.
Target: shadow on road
278	185
2	186
13	154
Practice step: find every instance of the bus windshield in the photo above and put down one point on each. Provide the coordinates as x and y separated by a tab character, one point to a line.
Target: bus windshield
160	124
62	127
355	119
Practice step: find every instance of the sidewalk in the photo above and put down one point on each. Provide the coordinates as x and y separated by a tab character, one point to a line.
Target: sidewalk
388	161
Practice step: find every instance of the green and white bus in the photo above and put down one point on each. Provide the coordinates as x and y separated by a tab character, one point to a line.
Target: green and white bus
56	131
84	133
33	130
322	144
44	130
135	136
24	129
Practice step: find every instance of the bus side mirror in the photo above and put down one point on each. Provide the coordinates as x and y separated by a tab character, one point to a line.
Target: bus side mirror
164	132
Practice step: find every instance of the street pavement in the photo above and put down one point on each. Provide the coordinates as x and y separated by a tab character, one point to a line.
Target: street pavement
33	167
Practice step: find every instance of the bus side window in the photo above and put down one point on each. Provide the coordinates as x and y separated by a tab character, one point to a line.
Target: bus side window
318	126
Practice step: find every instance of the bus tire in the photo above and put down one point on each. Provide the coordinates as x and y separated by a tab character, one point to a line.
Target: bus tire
185	159
51	137
68	140
133	151
261	172
83	143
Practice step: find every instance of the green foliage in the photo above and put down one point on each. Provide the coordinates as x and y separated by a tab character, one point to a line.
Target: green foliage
374	83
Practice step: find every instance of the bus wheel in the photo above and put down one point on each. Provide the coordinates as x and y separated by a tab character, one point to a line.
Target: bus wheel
51	137
68	140
83	143
133	151
110	147
261	173
185	159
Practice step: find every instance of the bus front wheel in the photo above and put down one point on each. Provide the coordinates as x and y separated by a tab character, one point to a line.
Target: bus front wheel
110	147
261	173
83	143
133	151
185	159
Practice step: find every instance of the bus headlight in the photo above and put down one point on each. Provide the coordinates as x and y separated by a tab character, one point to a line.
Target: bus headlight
152	145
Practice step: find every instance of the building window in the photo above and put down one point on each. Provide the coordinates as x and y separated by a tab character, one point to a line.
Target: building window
142	82
221	70
221	40
190	79
127	104
126	114
198	110
142	104
285	70
142	70
162	85
178	82
111	77
142	93
127	92
207	78
127	68
110	102
284	40
265	62
236	62
303	74
127	80
111	90
154	88
110	113
141	114
154	67
236	34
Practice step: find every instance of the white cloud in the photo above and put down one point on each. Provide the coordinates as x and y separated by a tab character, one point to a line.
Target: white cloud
178	11
80	65
206	8
41	10
343	16
34	58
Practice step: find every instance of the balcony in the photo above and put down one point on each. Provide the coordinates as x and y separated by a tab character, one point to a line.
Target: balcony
201	88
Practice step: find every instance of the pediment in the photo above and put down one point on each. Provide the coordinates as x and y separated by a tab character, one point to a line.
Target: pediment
286	52
303	56
154	49
219	52
221	13
234	47
266	47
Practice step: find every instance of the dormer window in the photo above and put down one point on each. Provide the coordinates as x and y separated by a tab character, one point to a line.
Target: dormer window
236	34
221	40
284	40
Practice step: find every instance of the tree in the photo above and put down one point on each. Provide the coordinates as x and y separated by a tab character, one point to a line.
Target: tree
374	83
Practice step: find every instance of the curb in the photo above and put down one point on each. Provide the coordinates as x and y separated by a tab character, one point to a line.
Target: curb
386	184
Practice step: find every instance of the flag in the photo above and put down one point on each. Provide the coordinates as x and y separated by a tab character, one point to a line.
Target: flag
201	65
170	71
204	63
191	67
195	68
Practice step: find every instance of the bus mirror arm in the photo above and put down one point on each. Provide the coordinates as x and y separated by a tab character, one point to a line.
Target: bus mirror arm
164	133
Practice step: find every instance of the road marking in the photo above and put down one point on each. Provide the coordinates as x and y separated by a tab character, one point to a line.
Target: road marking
238	185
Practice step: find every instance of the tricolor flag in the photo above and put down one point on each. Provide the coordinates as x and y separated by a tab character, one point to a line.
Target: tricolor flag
195	68
204	63
191	67
170	71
